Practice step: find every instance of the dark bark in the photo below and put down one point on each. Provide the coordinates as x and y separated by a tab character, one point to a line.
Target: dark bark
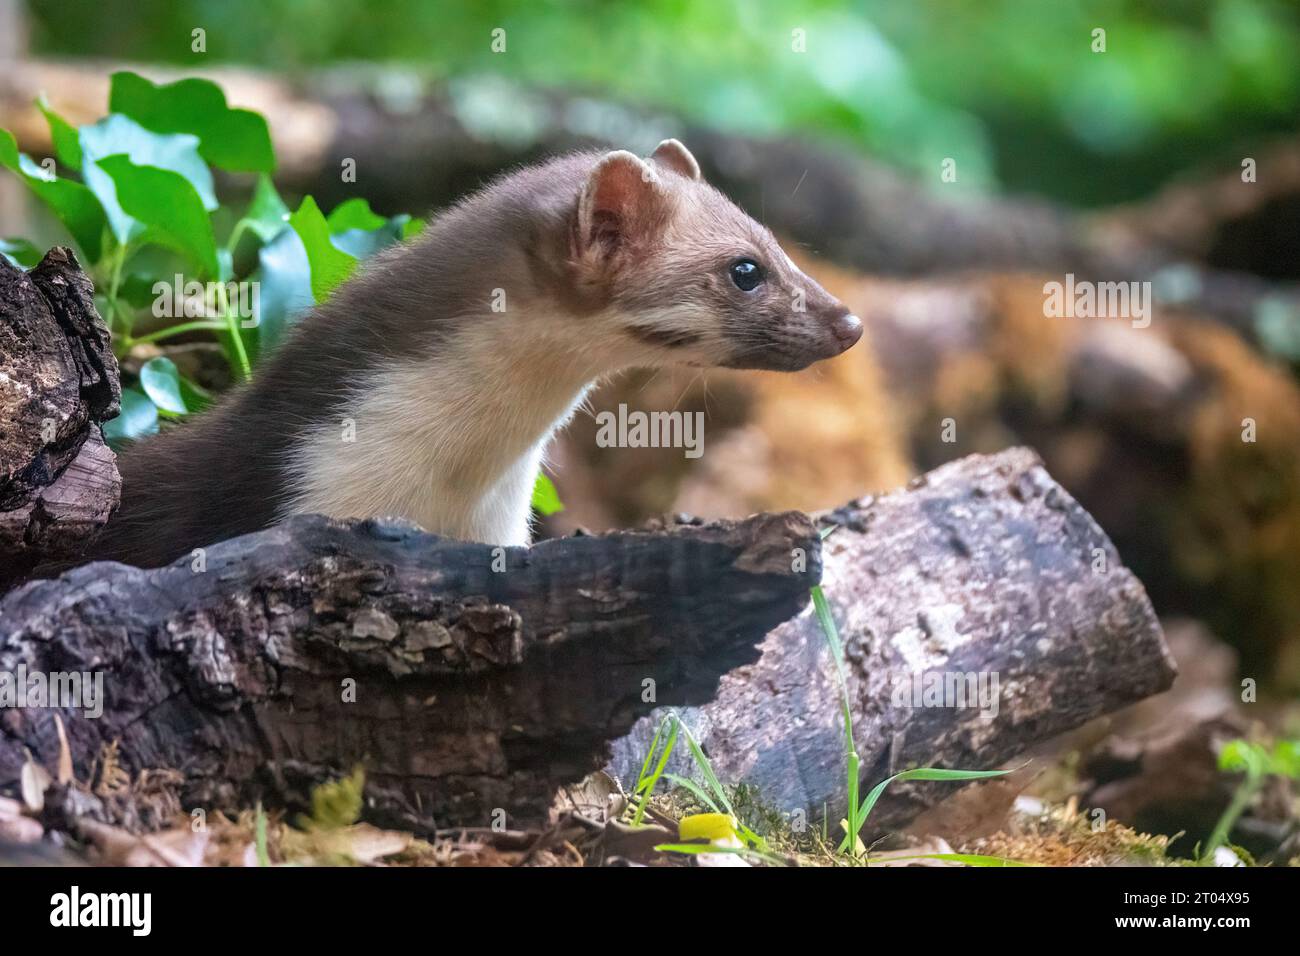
475	688
478	690
985	566
58	382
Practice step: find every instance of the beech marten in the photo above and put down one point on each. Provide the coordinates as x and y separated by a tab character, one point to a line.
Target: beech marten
429	385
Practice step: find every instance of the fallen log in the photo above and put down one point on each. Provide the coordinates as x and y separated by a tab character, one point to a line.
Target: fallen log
983	576
58	382
468	681
1163	434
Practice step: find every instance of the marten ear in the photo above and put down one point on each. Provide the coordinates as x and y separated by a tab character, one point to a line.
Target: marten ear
622	201
673	155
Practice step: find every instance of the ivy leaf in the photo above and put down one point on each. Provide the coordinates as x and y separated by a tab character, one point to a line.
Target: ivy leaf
138	289
75	205
354	214
139	417
165	202
234	139
283	276
119	135
546	500
162	383
195	398
67	147
330	266
20	252
361	232
267	214
364	243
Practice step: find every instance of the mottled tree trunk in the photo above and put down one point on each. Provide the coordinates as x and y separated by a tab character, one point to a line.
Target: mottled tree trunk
983	570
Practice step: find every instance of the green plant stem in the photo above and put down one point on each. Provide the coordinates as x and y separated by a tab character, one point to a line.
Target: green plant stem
854	817
1249	788
647	783
210	325
236	234
114	283
232	326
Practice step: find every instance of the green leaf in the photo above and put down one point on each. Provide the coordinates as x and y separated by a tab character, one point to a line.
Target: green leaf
20	252
67	147
546	500
644	775
75	205
137	289
355	214
138	417
195	398
229	138
162	383
259	836
969	859
1285	759
832	634
165	202
694	789
922	773
646	785
267	215
330	266
706	769
413	227
119	135
361	232
1243	755
363	244
283	276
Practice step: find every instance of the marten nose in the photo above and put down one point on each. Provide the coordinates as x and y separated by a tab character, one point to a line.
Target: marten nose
847	329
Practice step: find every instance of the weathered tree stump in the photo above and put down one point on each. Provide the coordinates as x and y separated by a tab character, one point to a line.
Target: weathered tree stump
58	382
985	568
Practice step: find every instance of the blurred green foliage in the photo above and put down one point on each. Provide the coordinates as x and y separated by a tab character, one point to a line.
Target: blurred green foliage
1009	88
143	212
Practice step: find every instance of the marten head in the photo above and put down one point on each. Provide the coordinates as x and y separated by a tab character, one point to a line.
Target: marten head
688	278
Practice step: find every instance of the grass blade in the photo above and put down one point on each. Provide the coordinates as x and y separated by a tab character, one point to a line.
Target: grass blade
695	790
647	785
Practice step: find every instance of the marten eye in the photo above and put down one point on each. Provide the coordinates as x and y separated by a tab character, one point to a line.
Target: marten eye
746	274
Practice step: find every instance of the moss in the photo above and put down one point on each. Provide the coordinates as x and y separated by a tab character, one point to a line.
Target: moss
1063	836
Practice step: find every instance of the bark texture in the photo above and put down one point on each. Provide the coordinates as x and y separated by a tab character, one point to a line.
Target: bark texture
58	382
464	678
984	567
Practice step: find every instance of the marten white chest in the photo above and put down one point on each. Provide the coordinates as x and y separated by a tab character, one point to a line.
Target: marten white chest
428	441
430	384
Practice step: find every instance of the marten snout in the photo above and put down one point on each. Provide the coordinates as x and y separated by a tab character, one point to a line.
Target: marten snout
792	322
